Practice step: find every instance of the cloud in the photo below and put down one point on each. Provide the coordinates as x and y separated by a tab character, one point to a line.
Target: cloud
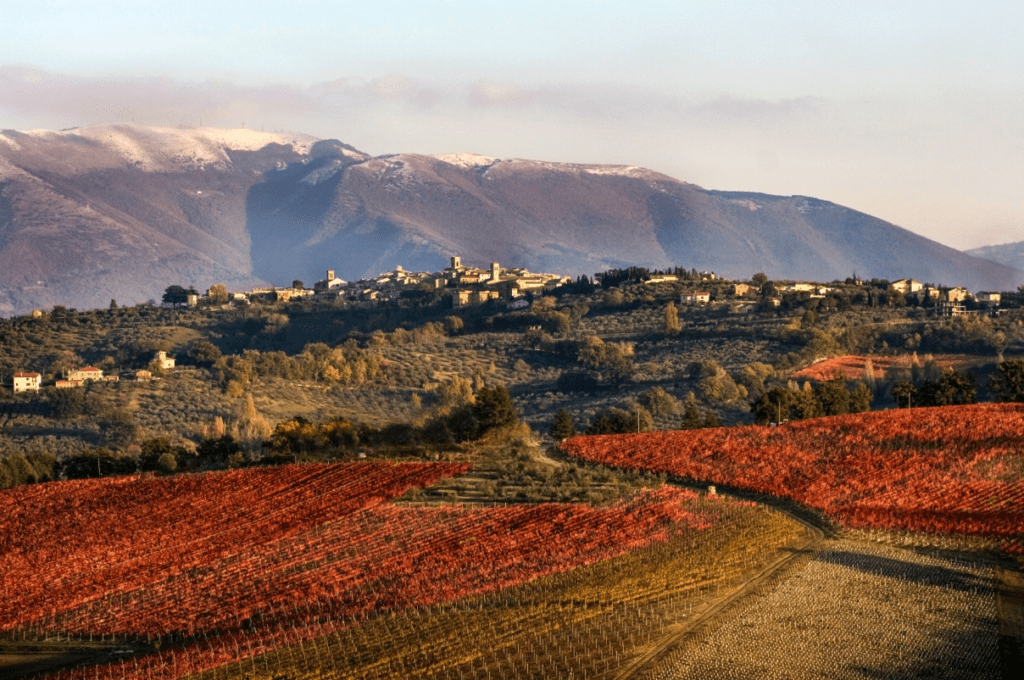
75	101
495	93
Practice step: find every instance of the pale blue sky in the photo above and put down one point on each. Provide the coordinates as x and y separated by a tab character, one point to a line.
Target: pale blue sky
910	111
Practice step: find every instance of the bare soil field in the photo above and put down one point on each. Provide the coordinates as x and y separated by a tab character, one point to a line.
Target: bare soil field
856	610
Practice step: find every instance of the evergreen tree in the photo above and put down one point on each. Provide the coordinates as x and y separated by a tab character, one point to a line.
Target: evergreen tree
493	408
672	325
562	427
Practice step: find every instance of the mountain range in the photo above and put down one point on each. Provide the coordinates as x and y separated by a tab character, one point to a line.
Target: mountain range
123	211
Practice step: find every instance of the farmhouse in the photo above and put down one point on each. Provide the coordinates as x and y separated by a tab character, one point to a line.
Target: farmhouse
24	382
988	298
701	296
82	375
165	362
741	289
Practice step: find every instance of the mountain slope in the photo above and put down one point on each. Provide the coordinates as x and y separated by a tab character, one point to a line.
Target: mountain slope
416	210
123	211
1009	254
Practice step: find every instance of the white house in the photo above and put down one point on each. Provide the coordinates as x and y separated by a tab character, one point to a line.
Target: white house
85	374
907	286
695	298
24	382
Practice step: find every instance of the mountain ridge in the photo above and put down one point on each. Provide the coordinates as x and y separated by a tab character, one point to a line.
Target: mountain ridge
1009	254
122	211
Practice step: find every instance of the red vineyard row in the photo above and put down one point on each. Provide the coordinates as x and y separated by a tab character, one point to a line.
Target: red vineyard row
240	563
955	469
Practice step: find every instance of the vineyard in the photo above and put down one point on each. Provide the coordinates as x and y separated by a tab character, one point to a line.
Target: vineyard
854	366
200	572
949	470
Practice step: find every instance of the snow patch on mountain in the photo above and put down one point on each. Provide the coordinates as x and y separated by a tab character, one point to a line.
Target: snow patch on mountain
466	160
156	149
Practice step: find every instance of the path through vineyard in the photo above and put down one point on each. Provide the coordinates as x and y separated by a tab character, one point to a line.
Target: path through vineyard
856	609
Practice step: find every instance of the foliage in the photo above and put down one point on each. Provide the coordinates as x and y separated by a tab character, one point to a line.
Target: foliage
1007	384
562	427
176	295
672	325
118	428
828	398
216	452
493	408
66	404
904	393
101	462
618	420
26	468
951	388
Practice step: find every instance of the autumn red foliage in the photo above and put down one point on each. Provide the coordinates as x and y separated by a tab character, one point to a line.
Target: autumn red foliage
228	565
949	470
852	366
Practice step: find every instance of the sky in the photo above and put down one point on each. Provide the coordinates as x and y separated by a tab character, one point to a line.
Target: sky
910	111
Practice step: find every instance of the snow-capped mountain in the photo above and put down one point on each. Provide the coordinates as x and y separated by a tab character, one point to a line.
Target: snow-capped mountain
123	211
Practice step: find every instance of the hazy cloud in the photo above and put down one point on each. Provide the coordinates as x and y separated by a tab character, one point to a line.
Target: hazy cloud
75	100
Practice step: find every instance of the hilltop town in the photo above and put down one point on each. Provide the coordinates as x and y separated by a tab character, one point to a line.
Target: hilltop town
459	285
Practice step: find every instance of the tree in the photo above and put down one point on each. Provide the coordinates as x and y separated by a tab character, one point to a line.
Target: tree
759	279
203	352
832	396
118	428
562	427
860	399
621	421
659	402
1007	384
175	295
218	294
672	325
297	284
773	406
66	404
999	343
216	452
493	408
113	303
904	393
952	388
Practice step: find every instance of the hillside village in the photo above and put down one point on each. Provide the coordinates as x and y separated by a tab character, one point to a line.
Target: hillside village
459	285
